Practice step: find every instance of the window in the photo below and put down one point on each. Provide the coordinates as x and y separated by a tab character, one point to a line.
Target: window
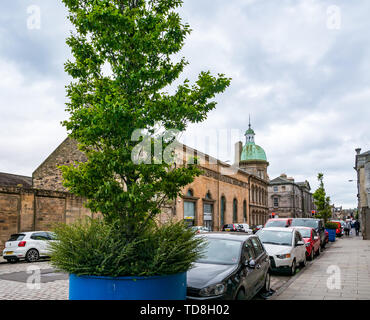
40	236
189	212
245	210
275	189
190	193
208	195
276	202
16	237
223	208
248	251
257	246
235	210
207	215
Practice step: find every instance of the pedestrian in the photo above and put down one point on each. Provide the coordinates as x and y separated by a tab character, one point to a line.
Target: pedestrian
357	227
347	227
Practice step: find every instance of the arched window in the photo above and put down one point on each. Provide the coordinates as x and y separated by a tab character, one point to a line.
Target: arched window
208	195
245	211
223	209
235	210
190	193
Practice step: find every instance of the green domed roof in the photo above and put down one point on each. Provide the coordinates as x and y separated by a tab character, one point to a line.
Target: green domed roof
252	152
249	131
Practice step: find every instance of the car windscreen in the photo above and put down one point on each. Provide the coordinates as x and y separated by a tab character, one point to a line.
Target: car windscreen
306	233
221	251
16	237
305	223
276	223
282	238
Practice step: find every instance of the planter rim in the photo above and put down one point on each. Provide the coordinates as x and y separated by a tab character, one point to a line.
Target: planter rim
126	277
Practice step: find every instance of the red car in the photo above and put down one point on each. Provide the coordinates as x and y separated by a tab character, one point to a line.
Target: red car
278	222
339	230
312	241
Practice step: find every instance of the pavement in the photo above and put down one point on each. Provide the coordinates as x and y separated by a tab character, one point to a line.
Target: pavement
341	272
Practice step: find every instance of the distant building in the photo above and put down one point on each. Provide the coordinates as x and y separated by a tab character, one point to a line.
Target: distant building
362	166
252	159
287	198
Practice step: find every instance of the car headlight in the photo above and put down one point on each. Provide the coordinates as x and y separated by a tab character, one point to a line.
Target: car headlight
283	256
213	290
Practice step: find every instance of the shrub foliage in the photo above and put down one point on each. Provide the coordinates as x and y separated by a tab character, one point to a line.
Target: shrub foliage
95	247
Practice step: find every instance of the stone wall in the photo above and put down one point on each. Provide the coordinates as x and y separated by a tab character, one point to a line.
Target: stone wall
47	176
24	210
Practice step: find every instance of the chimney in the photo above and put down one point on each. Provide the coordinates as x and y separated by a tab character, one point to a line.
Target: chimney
358	150
283	175
238	152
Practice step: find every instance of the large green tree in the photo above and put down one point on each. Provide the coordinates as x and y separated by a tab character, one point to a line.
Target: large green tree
322	201
123	64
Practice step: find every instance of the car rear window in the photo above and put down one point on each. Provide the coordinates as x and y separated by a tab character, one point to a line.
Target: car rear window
276	223
305	223
16	237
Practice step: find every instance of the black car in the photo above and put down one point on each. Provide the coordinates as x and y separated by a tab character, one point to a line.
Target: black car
231	227
317	224
234	266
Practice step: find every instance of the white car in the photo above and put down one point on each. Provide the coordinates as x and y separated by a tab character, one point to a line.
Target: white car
244	227
28	245
200	229
285	247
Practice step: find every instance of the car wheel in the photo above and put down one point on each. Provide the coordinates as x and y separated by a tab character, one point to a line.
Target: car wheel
303	263
293	268
318	251
312	254
241	295
32	255
266	286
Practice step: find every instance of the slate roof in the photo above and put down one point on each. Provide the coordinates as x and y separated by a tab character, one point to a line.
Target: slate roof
280	180
14	180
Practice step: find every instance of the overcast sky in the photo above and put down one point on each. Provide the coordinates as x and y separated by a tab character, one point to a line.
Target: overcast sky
299	68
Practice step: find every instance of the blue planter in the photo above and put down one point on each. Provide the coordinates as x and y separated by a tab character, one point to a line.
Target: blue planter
172	287
331	234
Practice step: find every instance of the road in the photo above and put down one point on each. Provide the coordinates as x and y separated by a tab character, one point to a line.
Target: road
39	281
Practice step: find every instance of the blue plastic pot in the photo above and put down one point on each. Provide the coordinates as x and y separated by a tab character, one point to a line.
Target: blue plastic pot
171	287
331	234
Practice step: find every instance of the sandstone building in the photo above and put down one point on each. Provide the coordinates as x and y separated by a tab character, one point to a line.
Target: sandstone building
223	194
287	198
362	166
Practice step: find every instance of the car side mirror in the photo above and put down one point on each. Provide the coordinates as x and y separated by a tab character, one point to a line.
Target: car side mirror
316	238
300	243
250	263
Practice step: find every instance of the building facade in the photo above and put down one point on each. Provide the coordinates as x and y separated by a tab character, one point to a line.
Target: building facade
223	194
287	198
362	167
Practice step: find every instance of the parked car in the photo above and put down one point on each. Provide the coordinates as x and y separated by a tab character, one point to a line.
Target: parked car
317	224
200	229
28	245
285	247
326	237
234	266
244	227
278	222
311	240
256	228
232	227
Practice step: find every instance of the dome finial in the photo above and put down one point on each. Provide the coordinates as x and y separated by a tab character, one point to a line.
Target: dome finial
249	121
